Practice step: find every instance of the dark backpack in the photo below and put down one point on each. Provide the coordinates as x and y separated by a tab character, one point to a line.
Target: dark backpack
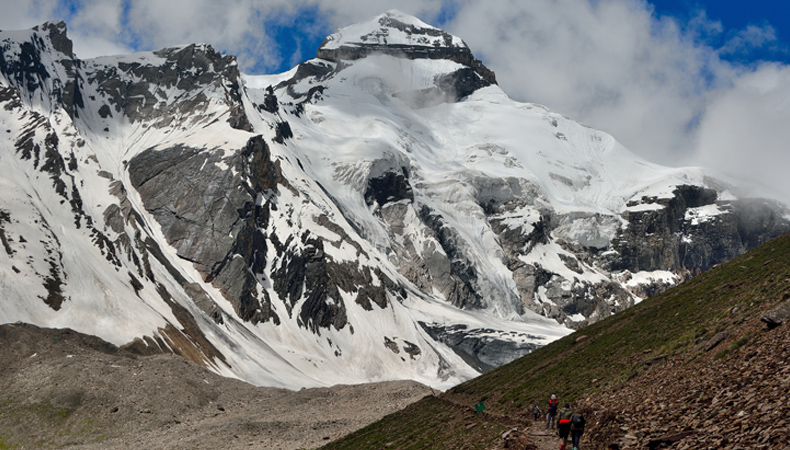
578	420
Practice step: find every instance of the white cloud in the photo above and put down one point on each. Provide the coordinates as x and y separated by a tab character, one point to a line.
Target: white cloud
347	12
749	38
98	17
235	26
22	14
94	25
745	132
610	64
656	84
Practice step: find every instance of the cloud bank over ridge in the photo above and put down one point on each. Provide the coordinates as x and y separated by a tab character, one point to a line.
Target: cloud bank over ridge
666	87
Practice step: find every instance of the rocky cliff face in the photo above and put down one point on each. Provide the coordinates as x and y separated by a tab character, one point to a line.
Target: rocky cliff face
683	236
384	212
142	89
44	68
404	37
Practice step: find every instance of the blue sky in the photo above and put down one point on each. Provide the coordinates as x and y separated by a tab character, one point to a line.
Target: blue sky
677	81
736	15
733	16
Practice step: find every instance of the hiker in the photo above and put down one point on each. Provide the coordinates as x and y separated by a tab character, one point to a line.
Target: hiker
551	411
537	412
564	422
577	429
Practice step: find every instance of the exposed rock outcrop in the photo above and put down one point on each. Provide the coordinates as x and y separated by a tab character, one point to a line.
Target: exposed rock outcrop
424	42
173	87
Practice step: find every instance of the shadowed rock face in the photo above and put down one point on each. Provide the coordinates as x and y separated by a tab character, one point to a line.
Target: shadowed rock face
209	214
666	238
139	90
460	287
457	53
480	348
671	237
388	187
26	70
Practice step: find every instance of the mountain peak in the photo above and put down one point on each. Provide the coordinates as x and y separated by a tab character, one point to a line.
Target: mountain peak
402	36
58	36
391	29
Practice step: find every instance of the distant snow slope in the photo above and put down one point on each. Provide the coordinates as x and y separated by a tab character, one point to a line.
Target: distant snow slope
381	212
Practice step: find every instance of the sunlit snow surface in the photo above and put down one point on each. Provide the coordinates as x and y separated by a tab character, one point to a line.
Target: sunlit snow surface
377	113
377	32
361	119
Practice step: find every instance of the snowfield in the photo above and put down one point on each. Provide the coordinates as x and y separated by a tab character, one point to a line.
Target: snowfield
386	215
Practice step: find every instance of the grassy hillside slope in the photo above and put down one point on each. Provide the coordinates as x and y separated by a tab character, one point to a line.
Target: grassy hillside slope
693	368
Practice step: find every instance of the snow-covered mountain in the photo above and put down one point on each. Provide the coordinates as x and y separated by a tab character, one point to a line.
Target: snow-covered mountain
383	211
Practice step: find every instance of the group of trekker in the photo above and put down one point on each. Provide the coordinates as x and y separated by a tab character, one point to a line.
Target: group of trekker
568	421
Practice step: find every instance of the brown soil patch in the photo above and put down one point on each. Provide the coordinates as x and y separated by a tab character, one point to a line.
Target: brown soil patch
64	389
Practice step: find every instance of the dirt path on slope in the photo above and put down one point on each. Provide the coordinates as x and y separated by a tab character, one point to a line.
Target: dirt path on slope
542	438
532	433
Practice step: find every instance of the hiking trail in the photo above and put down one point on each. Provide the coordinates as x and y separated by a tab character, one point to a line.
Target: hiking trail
542	438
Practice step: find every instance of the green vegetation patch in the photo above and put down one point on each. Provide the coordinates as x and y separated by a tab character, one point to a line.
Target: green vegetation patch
430	424
696	322
42	424
683	321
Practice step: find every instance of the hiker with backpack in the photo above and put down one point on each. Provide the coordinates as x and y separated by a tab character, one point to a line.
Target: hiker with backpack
577	429
551	411
537	412
564	422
